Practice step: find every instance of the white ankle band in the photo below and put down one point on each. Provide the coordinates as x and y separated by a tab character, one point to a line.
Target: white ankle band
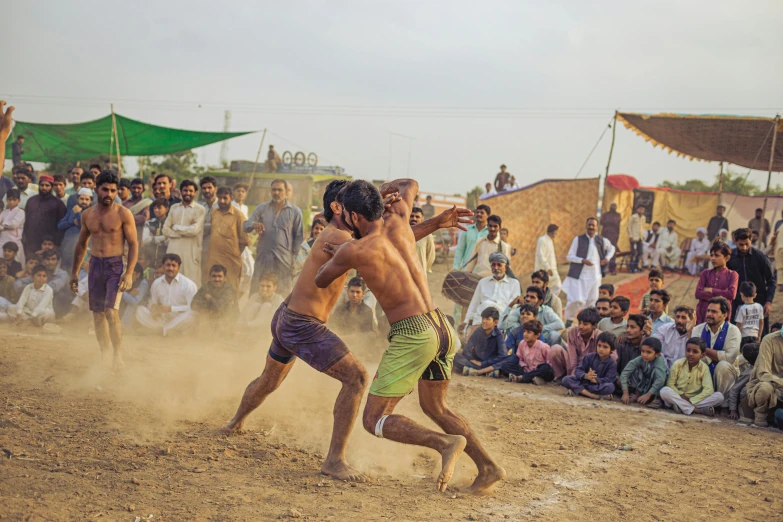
379	426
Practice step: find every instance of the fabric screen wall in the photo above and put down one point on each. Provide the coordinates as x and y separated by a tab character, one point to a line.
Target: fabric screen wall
690	210
527	212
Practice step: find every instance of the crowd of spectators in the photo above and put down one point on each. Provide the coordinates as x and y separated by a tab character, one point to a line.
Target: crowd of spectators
196	255
712	359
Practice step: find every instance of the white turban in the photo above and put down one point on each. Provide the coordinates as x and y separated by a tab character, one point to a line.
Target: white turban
702	230
84	191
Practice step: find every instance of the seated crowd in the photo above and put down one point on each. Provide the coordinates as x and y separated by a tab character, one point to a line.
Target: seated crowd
690	361
192	260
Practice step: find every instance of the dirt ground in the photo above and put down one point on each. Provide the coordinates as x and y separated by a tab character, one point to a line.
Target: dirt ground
83	444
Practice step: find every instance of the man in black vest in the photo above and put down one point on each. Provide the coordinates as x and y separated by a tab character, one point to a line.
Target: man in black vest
588	253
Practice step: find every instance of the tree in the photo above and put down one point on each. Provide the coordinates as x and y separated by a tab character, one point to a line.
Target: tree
732	182
63	167
179	165
473	196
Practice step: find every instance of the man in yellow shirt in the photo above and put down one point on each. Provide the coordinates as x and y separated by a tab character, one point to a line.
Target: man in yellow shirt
765	387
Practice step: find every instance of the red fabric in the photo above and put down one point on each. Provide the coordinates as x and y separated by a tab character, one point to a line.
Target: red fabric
622	181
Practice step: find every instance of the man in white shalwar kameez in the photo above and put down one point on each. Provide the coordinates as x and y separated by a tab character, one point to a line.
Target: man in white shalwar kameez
184	227
547	260
588	253
668	246
699	247
170	298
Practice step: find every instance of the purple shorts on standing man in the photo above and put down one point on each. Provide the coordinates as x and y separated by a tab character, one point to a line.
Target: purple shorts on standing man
305	337
104	283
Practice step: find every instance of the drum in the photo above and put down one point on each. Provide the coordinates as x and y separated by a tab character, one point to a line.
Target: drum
460	286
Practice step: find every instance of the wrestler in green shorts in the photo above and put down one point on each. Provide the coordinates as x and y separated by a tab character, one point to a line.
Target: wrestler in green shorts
420	347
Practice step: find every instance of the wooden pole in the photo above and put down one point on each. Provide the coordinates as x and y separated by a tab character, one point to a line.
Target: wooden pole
255	165
769	175
611	150
116	140
111	139
720	180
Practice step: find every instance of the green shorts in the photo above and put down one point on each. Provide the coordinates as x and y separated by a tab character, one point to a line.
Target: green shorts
420	347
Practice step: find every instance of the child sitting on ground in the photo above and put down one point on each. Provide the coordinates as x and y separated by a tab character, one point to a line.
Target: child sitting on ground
10	251
47	243
531	363
6	283
750	316
737	393
527	312
689	388
655	280
606	290
36	304
595	375
485	348
261	307
643	377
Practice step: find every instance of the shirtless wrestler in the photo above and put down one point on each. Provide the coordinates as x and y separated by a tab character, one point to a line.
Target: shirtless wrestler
299	330
110	226
422	343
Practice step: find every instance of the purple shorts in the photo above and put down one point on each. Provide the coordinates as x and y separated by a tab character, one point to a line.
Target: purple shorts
103	283
305	337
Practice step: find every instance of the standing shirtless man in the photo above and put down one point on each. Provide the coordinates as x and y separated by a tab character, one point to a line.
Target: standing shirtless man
299	330
110	225
422	343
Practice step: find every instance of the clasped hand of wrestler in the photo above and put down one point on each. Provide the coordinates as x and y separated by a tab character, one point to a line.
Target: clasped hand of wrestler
454	217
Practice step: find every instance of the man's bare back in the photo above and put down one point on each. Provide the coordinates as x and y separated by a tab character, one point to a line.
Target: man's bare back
422	343
306	298
387	260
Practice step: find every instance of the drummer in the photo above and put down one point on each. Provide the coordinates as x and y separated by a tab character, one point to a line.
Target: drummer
496	291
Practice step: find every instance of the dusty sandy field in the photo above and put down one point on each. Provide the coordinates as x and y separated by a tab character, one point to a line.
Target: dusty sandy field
83	444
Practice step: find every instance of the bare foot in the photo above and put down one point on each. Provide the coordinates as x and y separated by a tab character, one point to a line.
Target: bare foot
119	364
486	480
232	428
449	458
342	471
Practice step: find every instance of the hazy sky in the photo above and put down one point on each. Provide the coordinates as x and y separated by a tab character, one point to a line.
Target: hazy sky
476	84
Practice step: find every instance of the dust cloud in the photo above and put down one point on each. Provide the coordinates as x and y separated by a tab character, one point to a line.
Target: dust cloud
177	381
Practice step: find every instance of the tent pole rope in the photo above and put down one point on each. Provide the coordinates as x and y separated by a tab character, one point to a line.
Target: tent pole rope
258	155
608	162
769	174
608	126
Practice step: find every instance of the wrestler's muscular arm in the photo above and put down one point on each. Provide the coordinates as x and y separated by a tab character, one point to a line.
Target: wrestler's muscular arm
453	217
407	190
129	231
81	249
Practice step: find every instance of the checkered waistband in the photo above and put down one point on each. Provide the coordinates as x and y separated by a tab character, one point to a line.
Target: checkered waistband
417	324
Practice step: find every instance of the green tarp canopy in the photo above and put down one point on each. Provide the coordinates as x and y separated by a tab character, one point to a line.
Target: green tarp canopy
78	141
